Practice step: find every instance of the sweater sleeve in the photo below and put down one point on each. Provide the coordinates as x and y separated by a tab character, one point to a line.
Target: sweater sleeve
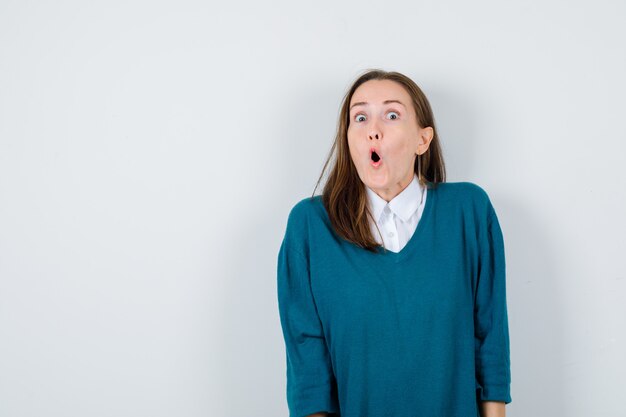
491	332
311	385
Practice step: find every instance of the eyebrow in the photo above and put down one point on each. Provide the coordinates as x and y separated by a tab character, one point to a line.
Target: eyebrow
364	103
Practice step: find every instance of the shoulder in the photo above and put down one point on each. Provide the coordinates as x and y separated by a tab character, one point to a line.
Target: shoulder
303	209
301	222
463	189
465	194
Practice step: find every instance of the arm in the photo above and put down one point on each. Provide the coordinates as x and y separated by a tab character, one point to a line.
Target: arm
492	409
491	333
311	385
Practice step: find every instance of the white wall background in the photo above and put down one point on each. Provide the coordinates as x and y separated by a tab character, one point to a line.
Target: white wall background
150	153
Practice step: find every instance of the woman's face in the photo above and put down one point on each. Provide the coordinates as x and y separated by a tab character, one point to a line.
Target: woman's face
382	120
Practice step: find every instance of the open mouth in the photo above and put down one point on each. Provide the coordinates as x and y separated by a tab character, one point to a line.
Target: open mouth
375	157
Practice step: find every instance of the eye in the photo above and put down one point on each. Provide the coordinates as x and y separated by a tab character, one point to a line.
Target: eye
395	113
357	117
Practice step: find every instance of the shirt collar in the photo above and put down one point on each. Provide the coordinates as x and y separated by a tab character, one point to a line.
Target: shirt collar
403	205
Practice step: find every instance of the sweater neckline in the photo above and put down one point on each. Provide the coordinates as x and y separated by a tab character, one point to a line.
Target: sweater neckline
419	230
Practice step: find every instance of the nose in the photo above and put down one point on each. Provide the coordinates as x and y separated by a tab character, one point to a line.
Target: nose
374	131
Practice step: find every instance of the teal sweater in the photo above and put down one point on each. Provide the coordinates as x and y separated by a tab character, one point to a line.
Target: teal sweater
418	333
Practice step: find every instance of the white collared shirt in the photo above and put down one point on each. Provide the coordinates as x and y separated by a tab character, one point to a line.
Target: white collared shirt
397	220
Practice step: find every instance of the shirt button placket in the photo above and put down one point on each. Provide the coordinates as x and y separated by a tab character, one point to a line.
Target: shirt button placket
390	226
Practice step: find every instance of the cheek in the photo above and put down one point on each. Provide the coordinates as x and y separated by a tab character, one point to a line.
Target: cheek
403	148
352	143
399	153
357	154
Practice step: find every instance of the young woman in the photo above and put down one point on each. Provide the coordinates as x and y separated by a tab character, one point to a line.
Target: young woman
391	284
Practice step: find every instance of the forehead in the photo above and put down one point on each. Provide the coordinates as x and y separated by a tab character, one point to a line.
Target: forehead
377	91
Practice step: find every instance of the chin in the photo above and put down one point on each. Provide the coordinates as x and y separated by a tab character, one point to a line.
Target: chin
379	182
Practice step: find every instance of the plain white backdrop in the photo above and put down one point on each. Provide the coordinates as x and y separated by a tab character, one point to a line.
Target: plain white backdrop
150	152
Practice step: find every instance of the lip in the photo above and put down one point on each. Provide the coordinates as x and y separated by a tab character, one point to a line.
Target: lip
380	161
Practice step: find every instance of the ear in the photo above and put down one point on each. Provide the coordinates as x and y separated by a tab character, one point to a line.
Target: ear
425	136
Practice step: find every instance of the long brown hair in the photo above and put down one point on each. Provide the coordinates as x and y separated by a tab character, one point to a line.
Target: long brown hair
344	195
